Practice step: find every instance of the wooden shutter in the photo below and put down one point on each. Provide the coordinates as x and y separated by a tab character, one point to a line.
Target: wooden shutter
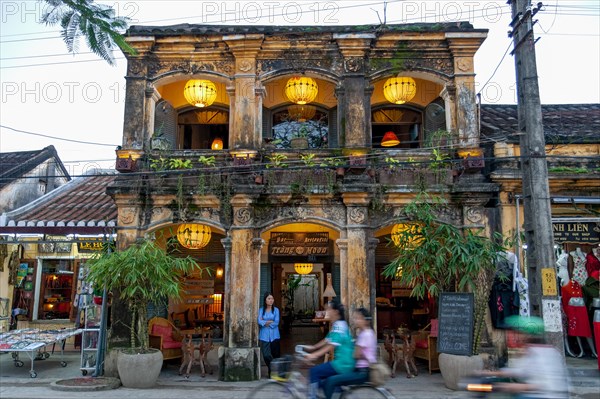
266	277
335	278
267	122
165	118
333	128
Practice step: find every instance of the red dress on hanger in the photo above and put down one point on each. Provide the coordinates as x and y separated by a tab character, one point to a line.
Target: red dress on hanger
577	317
592	264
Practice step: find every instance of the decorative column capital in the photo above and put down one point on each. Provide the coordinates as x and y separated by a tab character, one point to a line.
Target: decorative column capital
227	243
342	243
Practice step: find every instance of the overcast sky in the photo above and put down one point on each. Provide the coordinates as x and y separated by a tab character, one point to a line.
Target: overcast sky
48	92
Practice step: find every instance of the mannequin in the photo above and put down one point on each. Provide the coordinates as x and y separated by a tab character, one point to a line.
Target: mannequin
580	273
563	279
578	324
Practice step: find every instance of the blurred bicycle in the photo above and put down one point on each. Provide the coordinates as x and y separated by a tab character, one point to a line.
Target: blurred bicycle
288	383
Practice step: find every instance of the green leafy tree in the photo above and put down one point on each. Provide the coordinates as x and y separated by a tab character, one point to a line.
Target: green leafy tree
140	274
97	23
437	257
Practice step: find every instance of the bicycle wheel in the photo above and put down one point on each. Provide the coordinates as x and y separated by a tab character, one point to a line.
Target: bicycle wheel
366	392
271	390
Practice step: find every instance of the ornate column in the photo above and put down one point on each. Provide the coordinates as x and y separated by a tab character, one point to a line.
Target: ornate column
371	247
246	94
151	97
226	242
239	358
355	121
463	46
358	290
135	95
342	244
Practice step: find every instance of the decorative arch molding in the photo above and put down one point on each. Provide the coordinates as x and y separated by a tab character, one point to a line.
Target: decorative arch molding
270	225
215	227
177	75
320	73
434	76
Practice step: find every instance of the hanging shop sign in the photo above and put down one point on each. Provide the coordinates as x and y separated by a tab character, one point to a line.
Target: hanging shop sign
89	244
309	246
576	232
62	244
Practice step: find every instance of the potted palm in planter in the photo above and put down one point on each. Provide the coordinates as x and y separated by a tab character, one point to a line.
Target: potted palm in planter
140	275
436	257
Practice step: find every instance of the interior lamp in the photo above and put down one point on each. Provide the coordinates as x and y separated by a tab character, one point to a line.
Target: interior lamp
390	140
406	234
217	144
399	90
303	268
329	292
193	235
301	90
200	93
302	113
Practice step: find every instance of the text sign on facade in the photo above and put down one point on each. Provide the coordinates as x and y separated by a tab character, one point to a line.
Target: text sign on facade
90	244
455	317
549	282
299	244
576	232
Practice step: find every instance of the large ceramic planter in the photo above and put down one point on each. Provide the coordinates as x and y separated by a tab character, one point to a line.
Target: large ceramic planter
455	368
139	370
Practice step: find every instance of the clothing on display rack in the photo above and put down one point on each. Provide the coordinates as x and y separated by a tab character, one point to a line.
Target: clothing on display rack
577	315
580	273
592	264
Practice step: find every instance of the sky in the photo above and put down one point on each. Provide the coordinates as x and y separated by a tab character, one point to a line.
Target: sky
80	97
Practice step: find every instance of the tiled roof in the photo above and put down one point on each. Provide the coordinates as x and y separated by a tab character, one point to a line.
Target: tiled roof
563	123
83	202
196	29
14	165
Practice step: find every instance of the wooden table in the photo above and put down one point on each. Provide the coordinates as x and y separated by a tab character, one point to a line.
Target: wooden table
198	340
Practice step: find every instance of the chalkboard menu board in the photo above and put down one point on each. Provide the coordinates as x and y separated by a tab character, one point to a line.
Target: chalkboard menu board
455	316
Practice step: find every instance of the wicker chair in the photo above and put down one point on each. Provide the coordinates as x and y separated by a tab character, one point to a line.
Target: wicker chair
165	337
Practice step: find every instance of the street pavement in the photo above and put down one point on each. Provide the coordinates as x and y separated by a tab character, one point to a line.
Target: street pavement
17	384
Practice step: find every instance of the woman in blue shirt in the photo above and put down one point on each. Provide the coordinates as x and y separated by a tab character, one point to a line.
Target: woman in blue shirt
268	334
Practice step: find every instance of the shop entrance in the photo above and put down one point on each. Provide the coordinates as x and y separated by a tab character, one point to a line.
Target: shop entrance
296	274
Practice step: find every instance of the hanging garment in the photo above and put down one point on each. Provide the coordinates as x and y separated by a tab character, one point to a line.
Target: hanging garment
577	316
503	302
523	290
592	264
580	273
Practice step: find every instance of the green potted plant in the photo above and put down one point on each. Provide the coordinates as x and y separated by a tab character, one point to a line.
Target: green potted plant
438	257
300	138
139	275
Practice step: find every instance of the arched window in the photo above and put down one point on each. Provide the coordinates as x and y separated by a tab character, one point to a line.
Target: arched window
404	121
198	128
307	121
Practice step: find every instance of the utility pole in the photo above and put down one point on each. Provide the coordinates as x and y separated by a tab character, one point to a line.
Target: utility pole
536	192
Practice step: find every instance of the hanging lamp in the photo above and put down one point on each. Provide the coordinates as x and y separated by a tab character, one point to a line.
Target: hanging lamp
217	144
301	90
193	235
200	92
302	113
303	268
390	140
399	90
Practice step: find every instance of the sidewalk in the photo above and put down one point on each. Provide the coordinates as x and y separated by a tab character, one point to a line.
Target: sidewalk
16	383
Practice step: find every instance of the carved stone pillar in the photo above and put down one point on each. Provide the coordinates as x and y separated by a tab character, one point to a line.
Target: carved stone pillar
135	105
371	247
226	242
239	358
355	122
342	244
356	118
463	48
246	94
358	292
151	97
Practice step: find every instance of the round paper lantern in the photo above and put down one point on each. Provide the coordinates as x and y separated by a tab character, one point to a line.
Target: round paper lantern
399	90
193	235
200	93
